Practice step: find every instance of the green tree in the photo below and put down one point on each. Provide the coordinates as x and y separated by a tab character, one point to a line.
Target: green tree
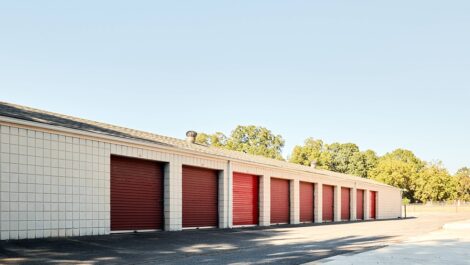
255	140
362	163
435	184
341	157
217	139
309	152
203	138
463	183
399	168
338	157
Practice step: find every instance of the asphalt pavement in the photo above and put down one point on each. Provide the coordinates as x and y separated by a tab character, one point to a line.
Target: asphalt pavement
289	244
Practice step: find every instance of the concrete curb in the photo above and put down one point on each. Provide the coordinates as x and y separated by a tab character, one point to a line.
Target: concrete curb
454	226
464	225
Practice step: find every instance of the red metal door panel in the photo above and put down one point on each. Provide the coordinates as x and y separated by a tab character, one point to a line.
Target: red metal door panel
360	204
373	197
200	197
279	201
328	203
136	194
245	199
345	204
306	201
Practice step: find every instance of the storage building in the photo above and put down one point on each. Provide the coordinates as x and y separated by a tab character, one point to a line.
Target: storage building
66	176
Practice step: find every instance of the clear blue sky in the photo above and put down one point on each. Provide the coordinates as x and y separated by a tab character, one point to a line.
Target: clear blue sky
383	75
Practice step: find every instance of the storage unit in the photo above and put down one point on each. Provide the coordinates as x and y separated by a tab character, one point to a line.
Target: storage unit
306	194
360	204
93	178
345	204
280	201
136	194
373	204
245	199
328	203
200	197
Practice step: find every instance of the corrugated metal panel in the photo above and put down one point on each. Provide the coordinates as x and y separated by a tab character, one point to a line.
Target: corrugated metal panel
345	204
200	197
306	190
280	202
373	196
360	204
245	199
136	194
328	203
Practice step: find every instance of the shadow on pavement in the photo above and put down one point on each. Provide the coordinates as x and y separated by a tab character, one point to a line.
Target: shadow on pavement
222	246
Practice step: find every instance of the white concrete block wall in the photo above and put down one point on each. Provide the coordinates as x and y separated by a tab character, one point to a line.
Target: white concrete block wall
389	203
337	203
318	203
223	199
173	196
229	195
366	204
55	184
294	186
353	204
265	201
52	185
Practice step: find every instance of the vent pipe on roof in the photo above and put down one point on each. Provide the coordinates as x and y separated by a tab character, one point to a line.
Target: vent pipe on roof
313	164
191	137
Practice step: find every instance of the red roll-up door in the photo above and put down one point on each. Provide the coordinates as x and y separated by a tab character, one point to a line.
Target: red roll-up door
306	201
200	196
373	197
360	204
245	199
279	201
345	204
136	194
328	203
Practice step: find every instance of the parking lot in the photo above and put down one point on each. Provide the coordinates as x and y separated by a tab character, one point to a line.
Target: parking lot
295	244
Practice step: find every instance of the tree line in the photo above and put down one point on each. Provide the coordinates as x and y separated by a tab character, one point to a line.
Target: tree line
420	181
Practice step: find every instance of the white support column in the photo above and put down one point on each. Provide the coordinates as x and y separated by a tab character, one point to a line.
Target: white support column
366	204
294	201
173	199
318	203
337	203
265	201
230	194
377	211
353	202
223	199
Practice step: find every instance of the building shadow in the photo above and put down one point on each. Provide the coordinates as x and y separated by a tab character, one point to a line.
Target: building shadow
212	246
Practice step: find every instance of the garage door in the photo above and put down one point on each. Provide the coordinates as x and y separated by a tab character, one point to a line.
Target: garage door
328	206
360	205
373	199
200	206
245	199
136	194
345	204
279	201
306	201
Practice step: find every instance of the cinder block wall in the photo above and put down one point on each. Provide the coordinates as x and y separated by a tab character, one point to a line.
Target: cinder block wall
52	185
57	183
388	203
